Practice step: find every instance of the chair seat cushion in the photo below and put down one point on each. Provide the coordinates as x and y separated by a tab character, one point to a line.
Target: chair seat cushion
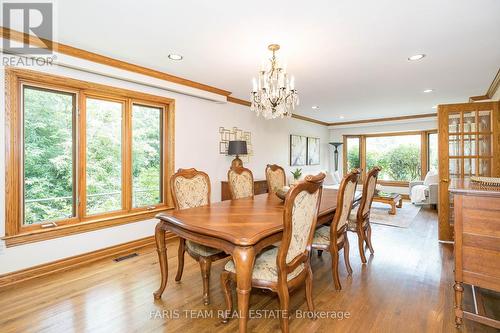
352	222
202	250
322	236
265	267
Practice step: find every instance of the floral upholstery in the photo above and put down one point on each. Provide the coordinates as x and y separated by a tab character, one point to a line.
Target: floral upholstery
348	198
202	250
303	214
370	192
265	267
241	184
322	236
276	179
352	223
191	192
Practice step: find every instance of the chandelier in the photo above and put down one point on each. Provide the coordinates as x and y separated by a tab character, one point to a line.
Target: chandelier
273	93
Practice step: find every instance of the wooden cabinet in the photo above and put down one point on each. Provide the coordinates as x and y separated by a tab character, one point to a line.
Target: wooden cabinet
469	144
477	245
259	187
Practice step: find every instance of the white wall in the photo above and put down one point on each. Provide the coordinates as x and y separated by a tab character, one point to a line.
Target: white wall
337	132
197	122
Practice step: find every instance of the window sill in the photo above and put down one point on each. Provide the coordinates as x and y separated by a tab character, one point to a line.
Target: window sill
394	183
71	229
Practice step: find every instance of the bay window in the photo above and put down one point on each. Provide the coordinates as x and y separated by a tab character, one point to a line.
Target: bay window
82	154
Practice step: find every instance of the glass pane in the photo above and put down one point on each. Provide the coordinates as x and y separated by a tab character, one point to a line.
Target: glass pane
469	167
485	145
484	121
353	160
485	167
470	121
455	169
398	156
433	151
454	123
48	155
469	145
104	155
146	155
455	148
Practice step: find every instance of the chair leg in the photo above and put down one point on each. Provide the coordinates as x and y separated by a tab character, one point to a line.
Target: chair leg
369	237
335	268
284	305
225	280
309	285
361	245
180	259
320	253
205	265
346	255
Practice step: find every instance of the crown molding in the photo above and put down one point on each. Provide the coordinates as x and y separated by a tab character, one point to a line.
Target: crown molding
18	36
494	86
376	120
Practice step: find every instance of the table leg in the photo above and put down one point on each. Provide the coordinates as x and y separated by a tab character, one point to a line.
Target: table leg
244	258
393	208
400	203
162	258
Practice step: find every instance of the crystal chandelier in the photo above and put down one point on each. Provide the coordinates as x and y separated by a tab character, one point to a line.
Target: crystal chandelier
274	94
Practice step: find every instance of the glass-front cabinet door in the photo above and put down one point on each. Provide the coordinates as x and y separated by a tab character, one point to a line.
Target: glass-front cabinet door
468	141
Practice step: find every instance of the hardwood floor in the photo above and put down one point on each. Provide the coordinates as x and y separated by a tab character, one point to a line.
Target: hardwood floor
405	287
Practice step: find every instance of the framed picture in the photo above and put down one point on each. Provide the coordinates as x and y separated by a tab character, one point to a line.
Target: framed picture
312	151
298	150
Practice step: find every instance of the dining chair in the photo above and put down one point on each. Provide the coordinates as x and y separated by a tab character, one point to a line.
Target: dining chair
191	188
240	182
275	177
333	238
282	268
359	219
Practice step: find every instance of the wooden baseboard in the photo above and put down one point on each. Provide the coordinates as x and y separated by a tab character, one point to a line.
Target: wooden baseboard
65	264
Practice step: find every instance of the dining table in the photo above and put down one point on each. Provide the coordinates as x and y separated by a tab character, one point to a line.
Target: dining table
241	228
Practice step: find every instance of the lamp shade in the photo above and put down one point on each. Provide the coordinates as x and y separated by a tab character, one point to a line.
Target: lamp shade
238	147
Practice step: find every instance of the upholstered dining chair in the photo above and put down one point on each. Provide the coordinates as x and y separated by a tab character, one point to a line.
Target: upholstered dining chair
240	182
191	188
333	238
359	219
282	268
275	177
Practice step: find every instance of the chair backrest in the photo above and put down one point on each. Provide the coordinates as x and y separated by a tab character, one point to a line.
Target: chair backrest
275	176
299	222
240	182
369	186
190	188
345	198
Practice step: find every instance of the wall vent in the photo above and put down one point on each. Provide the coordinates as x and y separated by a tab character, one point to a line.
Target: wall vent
128	256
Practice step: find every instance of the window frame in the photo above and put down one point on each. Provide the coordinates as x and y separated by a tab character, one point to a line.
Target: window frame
15	230
424	153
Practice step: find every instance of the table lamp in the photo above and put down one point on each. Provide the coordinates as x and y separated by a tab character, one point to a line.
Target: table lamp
238	147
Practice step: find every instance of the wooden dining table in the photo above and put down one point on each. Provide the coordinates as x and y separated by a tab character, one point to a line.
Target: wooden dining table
241	228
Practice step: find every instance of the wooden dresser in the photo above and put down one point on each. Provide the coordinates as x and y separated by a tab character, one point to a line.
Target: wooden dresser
477	245
259	187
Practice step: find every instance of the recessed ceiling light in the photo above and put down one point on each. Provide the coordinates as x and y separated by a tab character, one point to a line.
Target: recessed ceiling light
435	107
416	57
175	57
315	107
341	117
428	90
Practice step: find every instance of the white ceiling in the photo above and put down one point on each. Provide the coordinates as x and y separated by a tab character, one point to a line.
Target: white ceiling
348	56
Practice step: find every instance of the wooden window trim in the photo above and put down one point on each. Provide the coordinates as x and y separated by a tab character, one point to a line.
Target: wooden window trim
17	234
424	153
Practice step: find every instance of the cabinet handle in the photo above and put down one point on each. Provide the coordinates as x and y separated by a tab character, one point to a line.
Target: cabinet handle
445	180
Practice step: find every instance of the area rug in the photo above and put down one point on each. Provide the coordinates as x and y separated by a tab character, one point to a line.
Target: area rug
379	214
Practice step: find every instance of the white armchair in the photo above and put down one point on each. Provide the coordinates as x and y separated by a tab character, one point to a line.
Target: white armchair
425	192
